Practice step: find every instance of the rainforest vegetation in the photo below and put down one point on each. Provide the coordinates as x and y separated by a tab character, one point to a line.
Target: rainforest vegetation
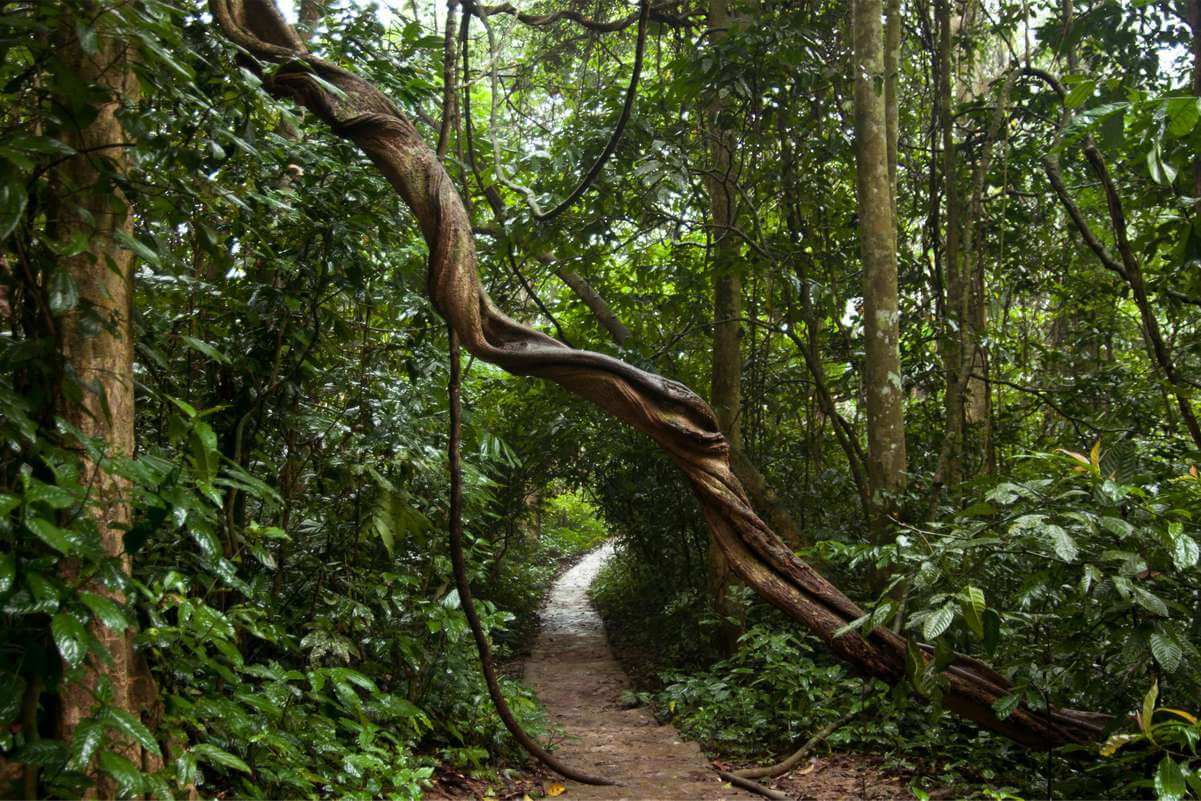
868	330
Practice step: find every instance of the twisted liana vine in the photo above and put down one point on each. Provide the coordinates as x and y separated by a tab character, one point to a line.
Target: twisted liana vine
463	584
627	109
671	414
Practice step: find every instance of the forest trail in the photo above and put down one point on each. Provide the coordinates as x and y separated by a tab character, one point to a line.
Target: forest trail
580	684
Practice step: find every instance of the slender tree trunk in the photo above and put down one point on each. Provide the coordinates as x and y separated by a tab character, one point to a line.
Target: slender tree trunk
96	345
887	461
726	388
594	301
977	388
950	460
1194	24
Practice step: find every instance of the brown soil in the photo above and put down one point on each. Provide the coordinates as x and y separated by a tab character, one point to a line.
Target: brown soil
841	776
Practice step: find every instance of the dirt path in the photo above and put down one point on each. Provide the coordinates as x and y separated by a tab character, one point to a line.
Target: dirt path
580	683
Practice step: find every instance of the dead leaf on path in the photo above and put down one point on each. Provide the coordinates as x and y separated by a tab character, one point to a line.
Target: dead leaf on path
555	790
805	771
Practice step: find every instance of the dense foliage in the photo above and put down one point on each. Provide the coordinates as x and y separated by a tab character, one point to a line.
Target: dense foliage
283	571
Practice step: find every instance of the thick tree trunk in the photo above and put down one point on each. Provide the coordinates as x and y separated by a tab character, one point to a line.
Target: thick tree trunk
96	346
887	460
669	413
977	389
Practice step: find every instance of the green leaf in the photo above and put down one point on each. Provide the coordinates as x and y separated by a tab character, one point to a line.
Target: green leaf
205	457
880	615
52	495
124	772
1116	526
12	689
1004	706
44	753
1148	710
852	626
105	610
163	55
188	409
1169	780
1162	173
131	727
1079	94
215	756
1062	542
89	736
915	667
140	248
8	572
12	206
1185	552
205	348
1182	114
1151	602
70	637
381	523
51	534
937	622
209	544
62	291
86	34
975	596
1166	652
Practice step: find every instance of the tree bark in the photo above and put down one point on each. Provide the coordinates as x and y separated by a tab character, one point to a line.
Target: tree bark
950	460
1194	24
674	417
726	387
595	302
95	343
892	75
887	460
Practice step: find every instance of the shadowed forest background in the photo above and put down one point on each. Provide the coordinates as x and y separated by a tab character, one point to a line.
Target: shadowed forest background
935	265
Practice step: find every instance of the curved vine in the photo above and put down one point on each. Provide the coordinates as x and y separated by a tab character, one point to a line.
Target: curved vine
672	415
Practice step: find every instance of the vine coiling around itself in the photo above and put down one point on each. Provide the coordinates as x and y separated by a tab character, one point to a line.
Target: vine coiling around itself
670	413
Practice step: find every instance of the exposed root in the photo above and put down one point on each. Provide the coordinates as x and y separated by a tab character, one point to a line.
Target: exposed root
795	758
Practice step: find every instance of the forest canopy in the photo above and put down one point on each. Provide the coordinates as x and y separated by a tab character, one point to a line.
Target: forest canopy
867	331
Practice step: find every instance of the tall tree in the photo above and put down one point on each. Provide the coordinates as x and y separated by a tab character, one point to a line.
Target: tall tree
726	376
955	306
95	337
887	459
1193	17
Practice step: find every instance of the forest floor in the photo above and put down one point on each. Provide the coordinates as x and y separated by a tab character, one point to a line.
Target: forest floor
580	683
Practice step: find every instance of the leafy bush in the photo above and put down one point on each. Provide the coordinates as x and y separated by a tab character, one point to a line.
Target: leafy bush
777	688
1071	558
